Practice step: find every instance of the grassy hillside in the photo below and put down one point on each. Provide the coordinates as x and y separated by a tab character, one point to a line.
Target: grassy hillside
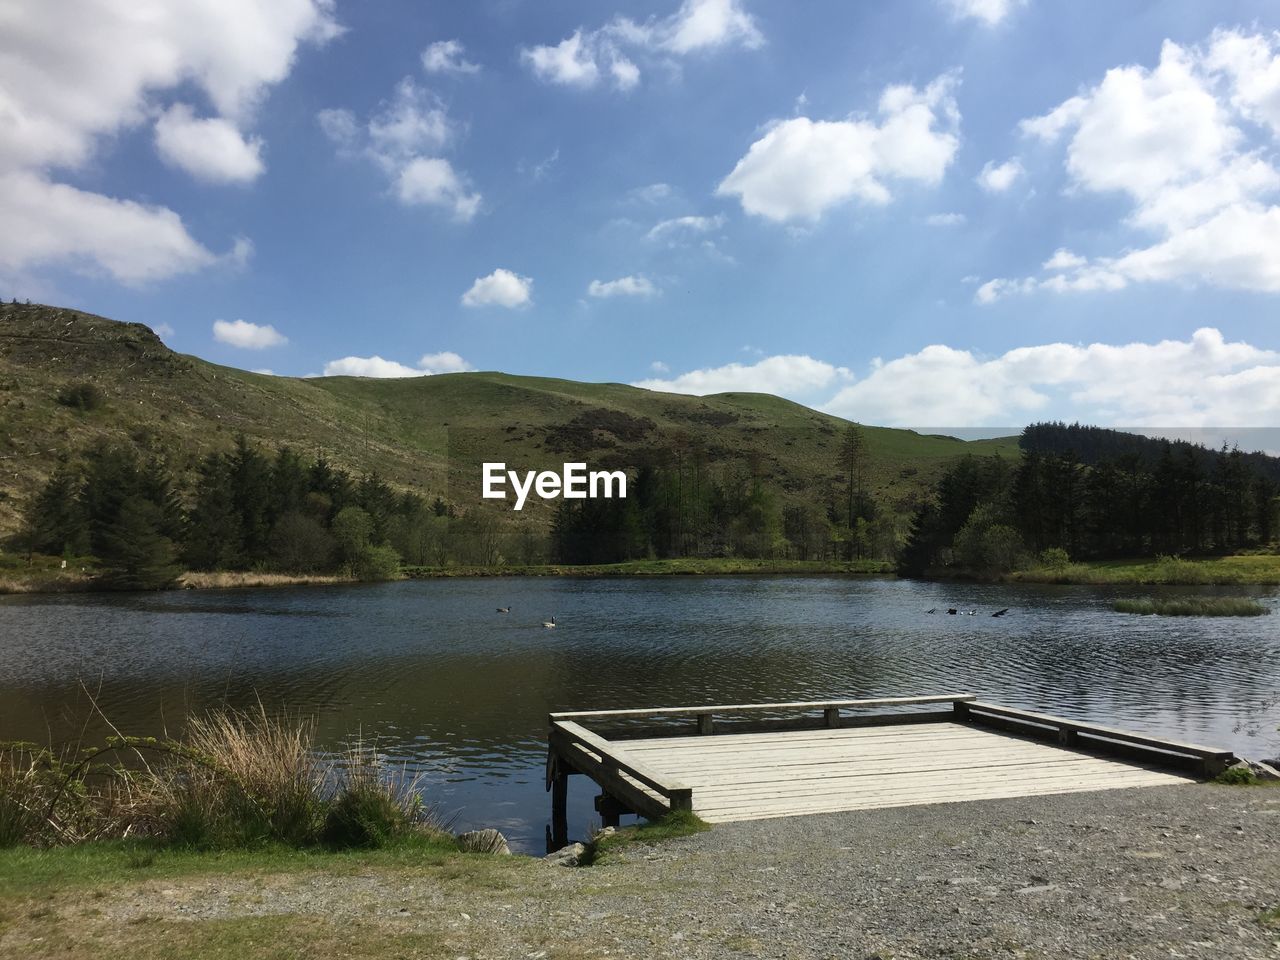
427	434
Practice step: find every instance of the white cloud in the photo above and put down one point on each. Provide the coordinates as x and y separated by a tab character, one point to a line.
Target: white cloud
340	126
209	149
793	376
945	219
1179	141
54	224
246	335
678	227
163	330
433	181
447	56
502	288
375	366
1197	382
989	12
999	177
404	139
265	371
587	56
74	75
622	287
801	168
412	123
571	62
659	367
1064	259
652	193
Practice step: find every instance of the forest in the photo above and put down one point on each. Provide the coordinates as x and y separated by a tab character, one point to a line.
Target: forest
246	509
1121	499
1074	492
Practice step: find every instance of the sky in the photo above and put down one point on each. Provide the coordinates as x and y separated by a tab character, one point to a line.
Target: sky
965	213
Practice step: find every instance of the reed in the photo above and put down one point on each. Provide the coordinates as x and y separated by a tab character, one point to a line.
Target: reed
1193	607
234	779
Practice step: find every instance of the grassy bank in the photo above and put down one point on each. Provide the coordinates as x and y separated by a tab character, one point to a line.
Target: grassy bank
713	566
1193	607
59	581
1258	570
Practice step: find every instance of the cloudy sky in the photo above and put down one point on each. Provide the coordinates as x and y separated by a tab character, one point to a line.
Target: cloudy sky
926	212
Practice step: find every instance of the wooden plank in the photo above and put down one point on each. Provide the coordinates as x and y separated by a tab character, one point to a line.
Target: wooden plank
743	708
747	773
1023	769
977	708
688	770
720	746
614	782
613	755
935	788
923	734
712	815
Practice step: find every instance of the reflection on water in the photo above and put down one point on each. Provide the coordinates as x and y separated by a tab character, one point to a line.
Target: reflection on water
440	679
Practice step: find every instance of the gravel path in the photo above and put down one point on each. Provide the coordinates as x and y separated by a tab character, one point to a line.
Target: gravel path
1155	872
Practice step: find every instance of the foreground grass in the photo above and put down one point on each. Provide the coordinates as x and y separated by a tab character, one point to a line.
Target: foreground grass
28	872
678	823
1259	569
65	901
693	566
1193	607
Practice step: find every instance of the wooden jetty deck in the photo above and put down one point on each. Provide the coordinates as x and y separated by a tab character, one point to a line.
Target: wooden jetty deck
754	761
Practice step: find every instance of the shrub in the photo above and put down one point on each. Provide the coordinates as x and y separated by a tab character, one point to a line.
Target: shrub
368	807
377	563
82	396
1055	558
1193	607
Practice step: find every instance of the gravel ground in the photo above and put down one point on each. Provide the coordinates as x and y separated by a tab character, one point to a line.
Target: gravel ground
1155	872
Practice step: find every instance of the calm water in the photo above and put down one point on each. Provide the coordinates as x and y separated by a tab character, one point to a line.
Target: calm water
438	678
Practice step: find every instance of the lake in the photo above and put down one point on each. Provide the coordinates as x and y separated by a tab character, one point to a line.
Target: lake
438	678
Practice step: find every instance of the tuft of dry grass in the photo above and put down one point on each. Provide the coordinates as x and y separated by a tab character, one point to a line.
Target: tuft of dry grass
223	579
235	779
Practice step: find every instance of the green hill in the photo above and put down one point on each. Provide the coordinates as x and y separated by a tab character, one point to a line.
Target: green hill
426	434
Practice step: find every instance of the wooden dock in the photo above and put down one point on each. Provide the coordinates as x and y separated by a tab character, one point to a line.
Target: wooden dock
755	761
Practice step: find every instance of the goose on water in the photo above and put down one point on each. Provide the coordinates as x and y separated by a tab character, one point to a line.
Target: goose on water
504	609
549	623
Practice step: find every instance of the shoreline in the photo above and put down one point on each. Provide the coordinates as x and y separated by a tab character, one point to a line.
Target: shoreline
1260	570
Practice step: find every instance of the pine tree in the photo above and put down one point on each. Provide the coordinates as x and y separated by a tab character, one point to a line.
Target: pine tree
56	520
213	534
137	555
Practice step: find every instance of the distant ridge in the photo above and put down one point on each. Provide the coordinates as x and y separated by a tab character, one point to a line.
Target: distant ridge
183	407
1093	445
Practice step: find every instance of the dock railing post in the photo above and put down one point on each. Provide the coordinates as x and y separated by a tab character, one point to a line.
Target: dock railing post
706	724
832	716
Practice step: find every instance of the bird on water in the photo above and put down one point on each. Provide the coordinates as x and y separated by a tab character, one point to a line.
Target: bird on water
504	609
549	623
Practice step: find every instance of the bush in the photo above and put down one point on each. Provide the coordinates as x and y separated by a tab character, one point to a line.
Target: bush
368	808
377	563
82	396
1055	558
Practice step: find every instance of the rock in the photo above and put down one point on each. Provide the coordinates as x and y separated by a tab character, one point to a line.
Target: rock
483	841
1266	769
566	856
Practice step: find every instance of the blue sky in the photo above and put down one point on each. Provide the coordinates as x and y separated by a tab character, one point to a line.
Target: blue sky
926	212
